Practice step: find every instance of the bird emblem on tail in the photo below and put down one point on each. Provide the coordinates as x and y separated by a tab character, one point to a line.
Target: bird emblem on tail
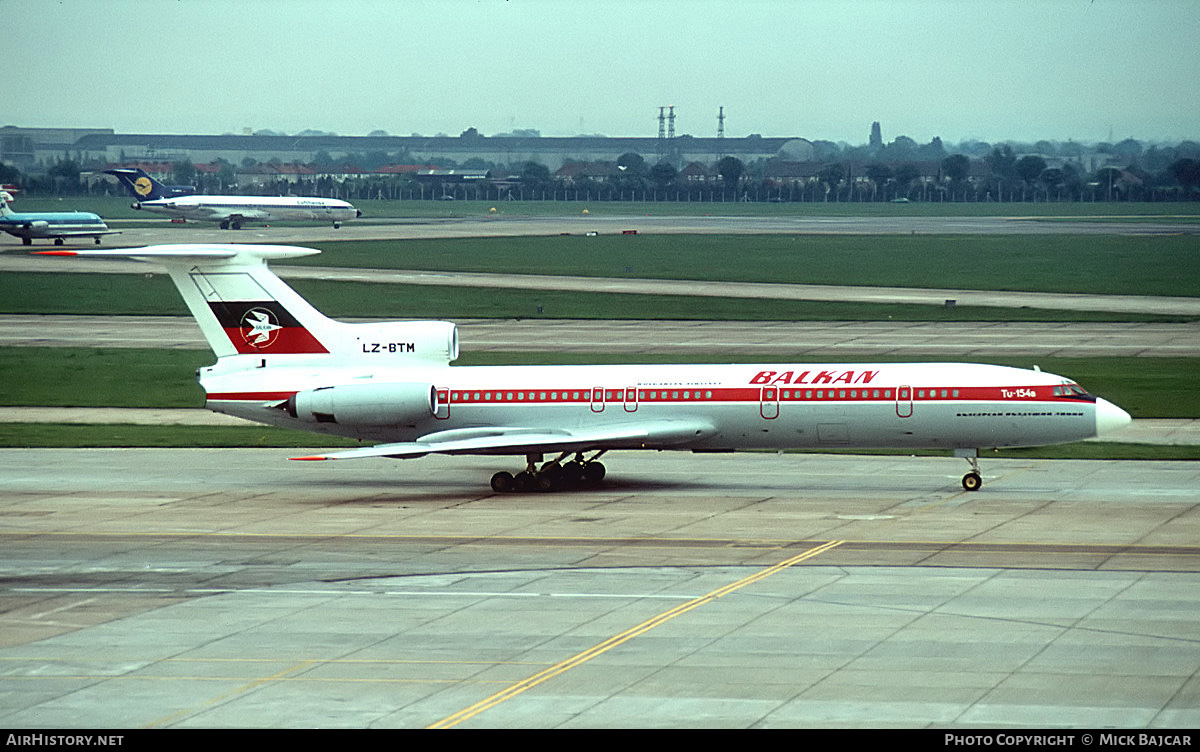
259	327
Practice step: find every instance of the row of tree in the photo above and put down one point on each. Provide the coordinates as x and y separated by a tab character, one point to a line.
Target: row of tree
1001	175
1021	179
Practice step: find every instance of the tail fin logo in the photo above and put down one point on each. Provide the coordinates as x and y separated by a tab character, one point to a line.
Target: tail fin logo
260	329
143	186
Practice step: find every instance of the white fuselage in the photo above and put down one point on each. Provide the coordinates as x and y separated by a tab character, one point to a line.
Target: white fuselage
253	208
950	405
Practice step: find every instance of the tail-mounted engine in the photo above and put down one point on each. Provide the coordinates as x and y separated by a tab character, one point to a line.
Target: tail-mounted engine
405	341
365	404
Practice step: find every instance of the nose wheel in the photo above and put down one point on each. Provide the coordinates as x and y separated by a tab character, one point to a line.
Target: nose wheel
972	481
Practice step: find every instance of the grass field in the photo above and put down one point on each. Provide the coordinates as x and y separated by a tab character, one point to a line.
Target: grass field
138	295
26	435
1101	264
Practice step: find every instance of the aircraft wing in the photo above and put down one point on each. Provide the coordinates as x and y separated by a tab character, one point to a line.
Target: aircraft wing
81	233
214	213
191	252
524	440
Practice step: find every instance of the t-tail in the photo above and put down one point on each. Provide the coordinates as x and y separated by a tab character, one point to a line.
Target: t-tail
6	198
250	316
145	188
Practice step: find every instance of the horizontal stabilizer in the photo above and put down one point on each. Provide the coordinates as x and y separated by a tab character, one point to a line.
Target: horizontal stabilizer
521	440
192	252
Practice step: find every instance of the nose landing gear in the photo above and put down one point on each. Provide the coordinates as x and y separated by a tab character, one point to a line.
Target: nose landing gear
972	481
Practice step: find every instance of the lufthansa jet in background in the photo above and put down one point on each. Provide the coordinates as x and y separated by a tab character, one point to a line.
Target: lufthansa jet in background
231	212
56	226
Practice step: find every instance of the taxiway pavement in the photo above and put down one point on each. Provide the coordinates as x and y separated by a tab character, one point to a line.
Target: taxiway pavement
231	588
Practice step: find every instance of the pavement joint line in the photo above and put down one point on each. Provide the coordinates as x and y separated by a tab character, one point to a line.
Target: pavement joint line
619	639
165	720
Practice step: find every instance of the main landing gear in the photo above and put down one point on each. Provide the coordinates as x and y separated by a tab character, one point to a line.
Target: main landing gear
972	481
553	475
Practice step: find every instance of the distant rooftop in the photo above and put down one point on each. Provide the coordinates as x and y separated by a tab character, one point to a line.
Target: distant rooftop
99	141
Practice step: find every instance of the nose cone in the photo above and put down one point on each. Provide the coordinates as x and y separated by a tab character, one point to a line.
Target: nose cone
1109	417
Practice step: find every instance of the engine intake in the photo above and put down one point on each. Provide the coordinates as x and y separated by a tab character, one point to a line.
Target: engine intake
365	404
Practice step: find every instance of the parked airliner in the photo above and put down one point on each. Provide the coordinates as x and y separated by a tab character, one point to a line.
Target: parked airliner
230	211
56	226
281	362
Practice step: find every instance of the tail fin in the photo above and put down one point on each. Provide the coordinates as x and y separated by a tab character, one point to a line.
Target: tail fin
141	186
243	308
5	199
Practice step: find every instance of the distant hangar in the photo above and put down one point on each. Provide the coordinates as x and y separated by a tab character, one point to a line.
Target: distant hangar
30	147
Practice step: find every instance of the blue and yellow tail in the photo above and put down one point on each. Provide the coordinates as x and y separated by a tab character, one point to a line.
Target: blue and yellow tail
145	188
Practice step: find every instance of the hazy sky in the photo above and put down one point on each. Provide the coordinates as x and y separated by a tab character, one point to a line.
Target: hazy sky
959	69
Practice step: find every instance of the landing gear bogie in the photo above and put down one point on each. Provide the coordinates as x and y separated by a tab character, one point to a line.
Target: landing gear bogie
552	476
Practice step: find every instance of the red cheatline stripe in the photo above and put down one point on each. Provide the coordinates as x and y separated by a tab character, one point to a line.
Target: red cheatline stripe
510	395
248	396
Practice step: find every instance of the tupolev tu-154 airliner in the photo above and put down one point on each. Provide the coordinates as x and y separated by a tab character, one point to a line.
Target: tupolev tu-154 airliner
281	362
230	212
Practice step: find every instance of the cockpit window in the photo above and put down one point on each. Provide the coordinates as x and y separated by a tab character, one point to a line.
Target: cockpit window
1073	391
